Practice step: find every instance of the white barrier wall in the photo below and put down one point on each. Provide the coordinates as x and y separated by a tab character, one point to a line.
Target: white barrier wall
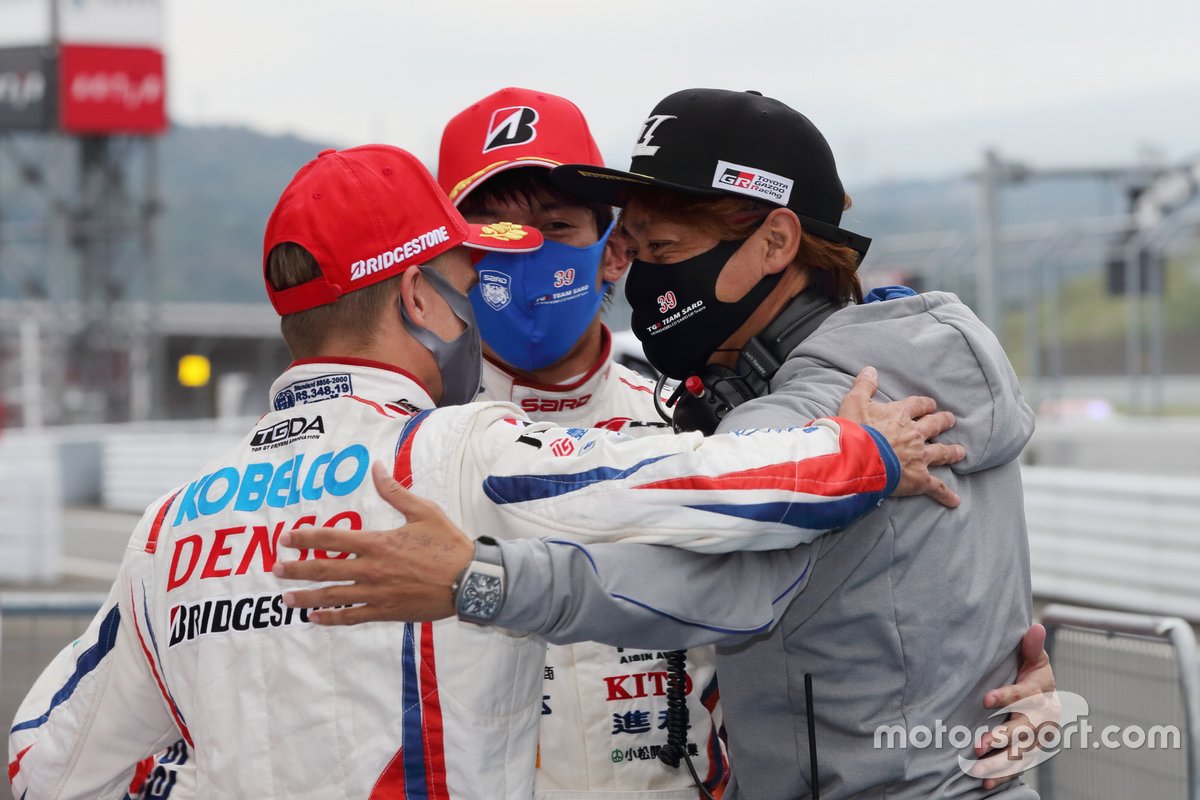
30	538
1115	540
138	467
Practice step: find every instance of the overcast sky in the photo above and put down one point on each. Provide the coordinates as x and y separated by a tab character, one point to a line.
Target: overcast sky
901	89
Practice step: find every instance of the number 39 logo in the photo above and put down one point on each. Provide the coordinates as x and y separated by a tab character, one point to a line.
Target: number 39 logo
666	302
564	277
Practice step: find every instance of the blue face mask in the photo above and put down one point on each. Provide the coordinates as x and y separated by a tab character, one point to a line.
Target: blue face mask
533	307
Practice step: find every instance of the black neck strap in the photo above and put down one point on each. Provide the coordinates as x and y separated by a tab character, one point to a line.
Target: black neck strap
762	356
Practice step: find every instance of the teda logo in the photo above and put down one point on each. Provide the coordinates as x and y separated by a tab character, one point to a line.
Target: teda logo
643	146
510	127
289	430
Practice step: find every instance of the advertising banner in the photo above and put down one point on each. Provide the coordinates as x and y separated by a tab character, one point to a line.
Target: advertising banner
27	88
111	89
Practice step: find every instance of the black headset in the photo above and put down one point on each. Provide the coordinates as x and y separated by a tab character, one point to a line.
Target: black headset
700	402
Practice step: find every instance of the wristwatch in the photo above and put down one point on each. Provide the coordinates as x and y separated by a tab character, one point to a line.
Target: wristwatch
478	591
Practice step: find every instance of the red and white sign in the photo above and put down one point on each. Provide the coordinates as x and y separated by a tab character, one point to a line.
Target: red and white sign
111	89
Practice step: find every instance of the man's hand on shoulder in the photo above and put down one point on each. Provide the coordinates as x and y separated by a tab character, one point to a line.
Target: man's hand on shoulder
908	425
403	574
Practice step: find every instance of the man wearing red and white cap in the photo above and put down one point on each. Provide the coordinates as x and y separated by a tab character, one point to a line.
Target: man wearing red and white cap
197	639
604	709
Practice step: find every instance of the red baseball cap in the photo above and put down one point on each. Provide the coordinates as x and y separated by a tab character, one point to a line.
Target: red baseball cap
512	128
367	214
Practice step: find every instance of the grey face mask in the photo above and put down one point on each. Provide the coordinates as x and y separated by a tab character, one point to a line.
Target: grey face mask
460	359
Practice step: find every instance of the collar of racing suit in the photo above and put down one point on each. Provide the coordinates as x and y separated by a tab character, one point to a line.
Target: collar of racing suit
313	380
534	398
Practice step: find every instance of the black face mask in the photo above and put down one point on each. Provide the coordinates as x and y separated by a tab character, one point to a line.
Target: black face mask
676	314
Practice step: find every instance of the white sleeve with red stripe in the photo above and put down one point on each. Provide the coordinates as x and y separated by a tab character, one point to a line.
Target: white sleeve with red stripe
97	709
759	489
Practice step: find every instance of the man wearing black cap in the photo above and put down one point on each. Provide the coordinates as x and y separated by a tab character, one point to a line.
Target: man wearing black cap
744	288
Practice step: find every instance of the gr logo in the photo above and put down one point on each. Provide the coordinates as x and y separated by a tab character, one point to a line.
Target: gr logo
510	127
742	180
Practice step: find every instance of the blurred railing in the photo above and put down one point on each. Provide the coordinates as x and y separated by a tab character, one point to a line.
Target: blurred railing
1115	540
33	628
1139	677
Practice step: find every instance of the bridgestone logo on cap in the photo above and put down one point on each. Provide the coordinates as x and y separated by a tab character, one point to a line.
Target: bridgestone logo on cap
753	182
402	252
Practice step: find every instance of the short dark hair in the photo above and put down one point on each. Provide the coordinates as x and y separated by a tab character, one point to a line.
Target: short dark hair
528	186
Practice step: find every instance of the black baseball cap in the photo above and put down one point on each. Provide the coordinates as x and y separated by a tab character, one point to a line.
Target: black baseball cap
719	142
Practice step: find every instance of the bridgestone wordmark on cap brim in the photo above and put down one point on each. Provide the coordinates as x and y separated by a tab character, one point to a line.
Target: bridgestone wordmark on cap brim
612	187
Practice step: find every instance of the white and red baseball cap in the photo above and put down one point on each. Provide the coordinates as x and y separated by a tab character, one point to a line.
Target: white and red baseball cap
508	129
367	214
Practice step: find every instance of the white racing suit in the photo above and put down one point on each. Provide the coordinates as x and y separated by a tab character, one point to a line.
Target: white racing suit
604	708
194	640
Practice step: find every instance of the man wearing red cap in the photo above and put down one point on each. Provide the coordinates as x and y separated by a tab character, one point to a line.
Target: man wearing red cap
364	257
546	350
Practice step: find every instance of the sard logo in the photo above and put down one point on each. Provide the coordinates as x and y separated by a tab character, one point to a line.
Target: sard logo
752	182
643	146
289	430
542	405
510	127
494	288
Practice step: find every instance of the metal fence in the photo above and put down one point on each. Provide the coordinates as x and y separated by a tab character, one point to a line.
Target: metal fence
1090	309
1135	672
33	628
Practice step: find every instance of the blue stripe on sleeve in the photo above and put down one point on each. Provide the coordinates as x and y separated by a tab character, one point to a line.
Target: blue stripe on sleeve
826	515
88	661
505	489
890	462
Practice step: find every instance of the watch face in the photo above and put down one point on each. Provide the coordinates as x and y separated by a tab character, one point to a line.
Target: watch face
480	596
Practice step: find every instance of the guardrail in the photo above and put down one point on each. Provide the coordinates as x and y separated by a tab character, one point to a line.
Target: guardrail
1115	540
1137	673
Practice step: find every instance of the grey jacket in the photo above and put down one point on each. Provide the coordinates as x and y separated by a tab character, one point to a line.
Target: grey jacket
903	619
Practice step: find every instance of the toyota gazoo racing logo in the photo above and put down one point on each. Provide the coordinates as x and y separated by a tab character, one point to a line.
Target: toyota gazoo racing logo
510	127
494	288
752	182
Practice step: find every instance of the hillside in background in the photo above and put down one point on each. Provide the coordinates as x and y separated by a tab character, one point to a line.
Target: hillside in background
219	185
